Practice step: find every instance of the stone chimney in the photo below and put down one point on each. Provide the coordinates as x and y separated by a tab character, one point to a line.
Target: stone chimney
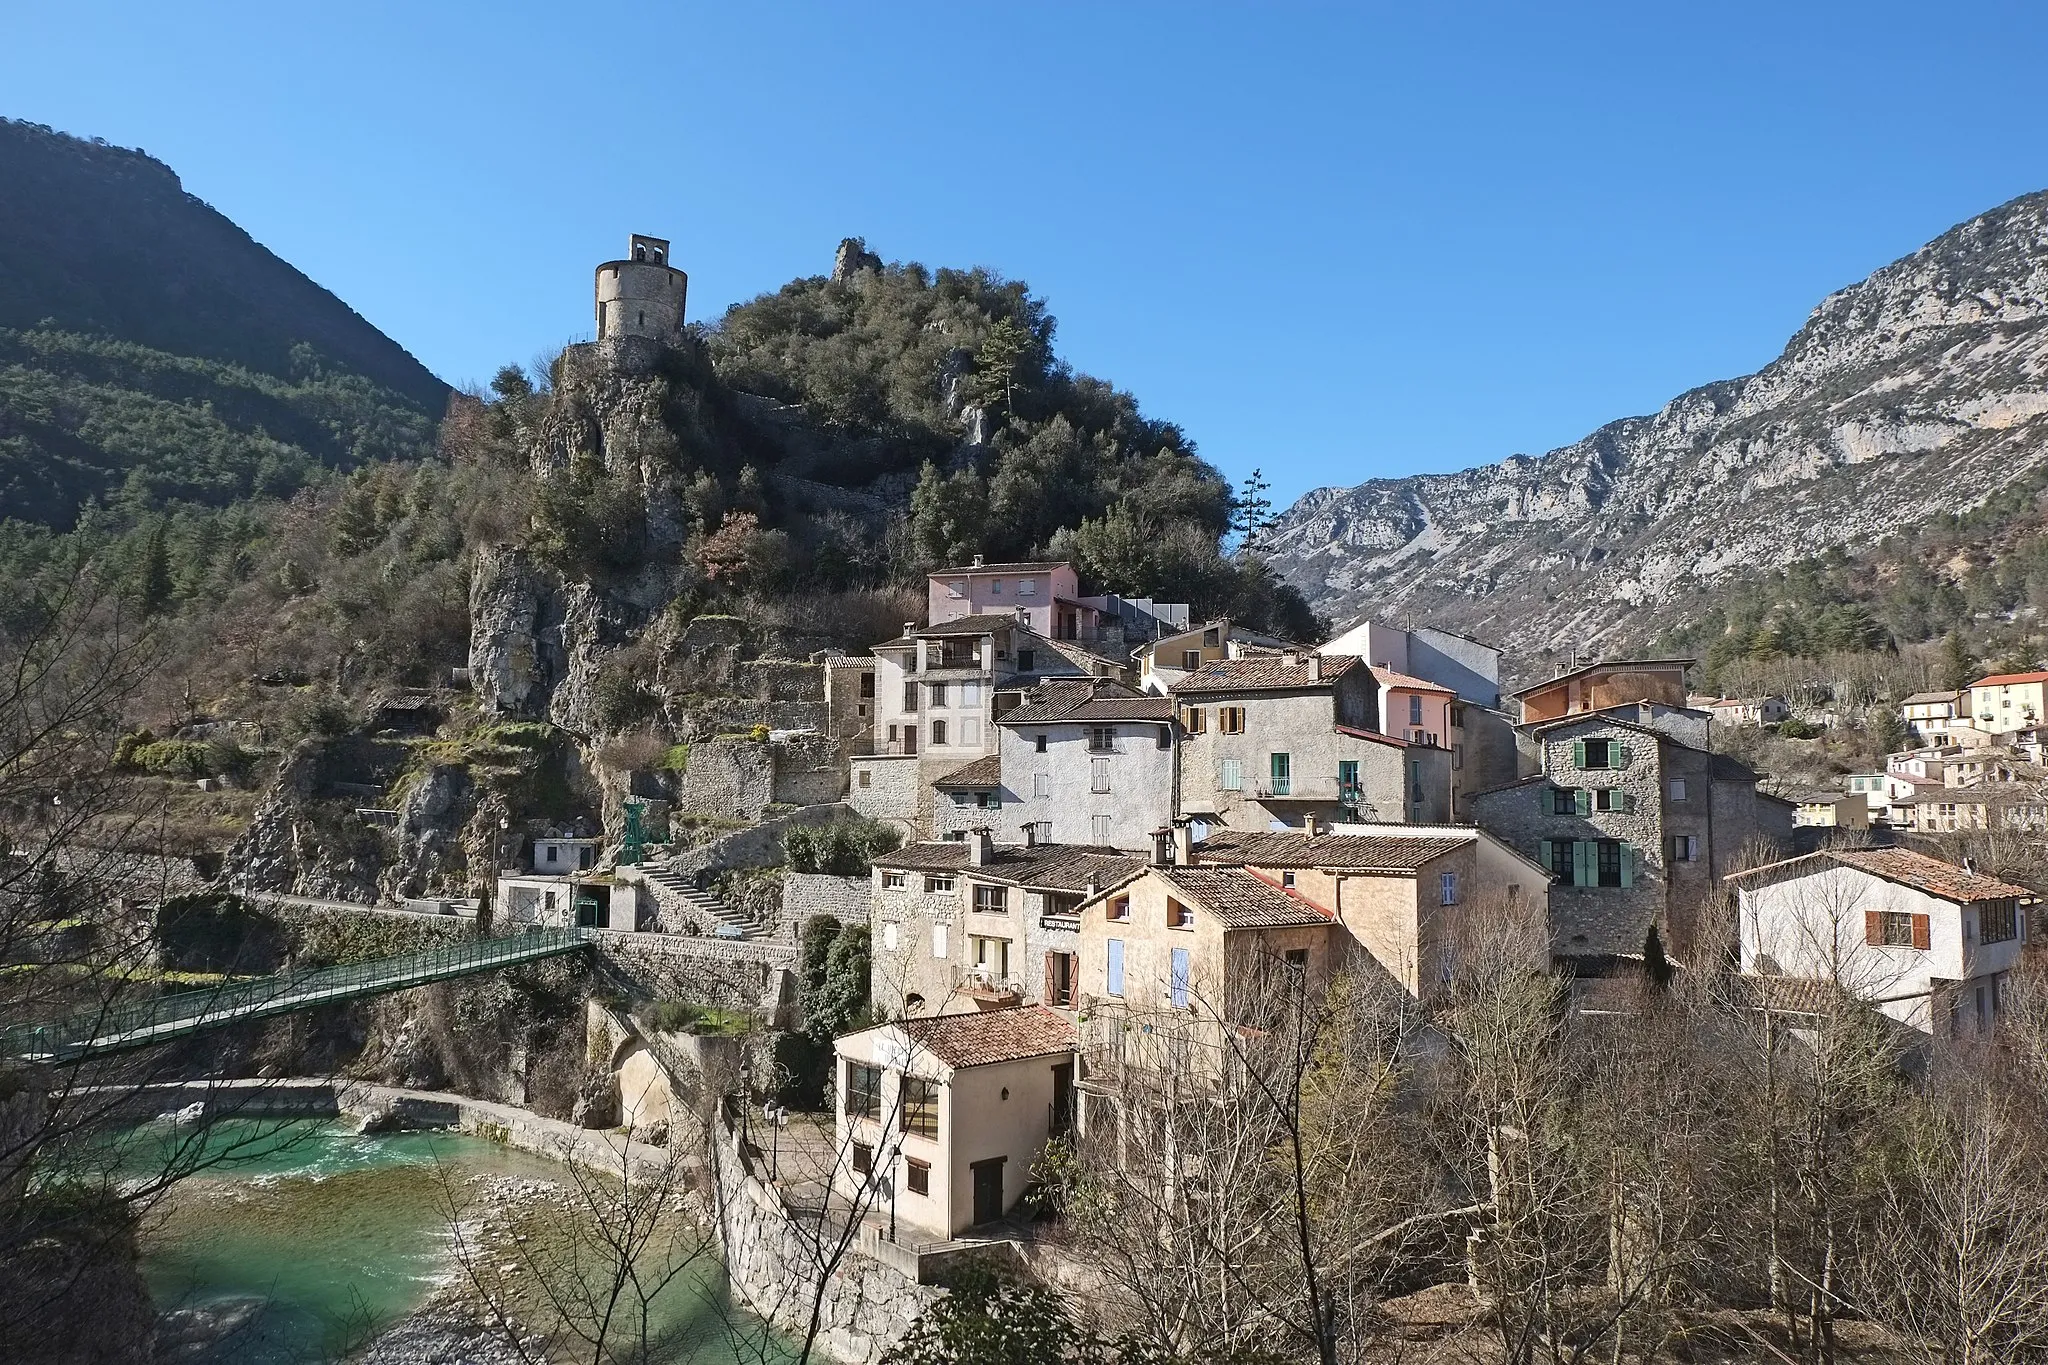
980	847
910	627
1315	668
1184	844
977	561
1290	659
1162	847
1310	826
1030	834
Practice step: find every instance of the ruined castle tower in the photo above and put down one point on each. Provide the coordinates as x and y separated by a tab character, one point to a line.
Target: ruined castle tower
640	298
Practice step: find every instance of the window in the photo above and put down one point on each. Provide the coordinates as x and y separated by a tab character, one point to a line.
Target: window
1191	659
1178	916
992	900
1678	789
1113	978
889	937
963	798
1027	587
1099	829
866	777
938	733
1041	786
863	1159
1230	720
920	1107
1559	859
917	1176
938	940
970	694
1447	889
1025	659
1415	710
1297	963
910	696
1177	979
1589	862
1194	719
995	587
863	1091
992	957
990	801
1997	922
1599	753
938	882
1564	801
1685	848
1895	929
867	686
1165	737
1280	768
1038	743
1098	774
1120	908
1212	637
956	589
935	694
970	732
1101	739
1059	978
1230	775
1347	780
895	881
1287	880
1610	799
1610	862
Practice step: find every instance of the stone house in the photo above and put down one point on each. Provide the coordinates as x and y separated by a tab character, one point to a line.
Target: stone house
973	924
1928	943
1636	827
1089	763
1596	687
1274	739
1749	710
1163	662
2007	701
590	900
943	1118
1408	896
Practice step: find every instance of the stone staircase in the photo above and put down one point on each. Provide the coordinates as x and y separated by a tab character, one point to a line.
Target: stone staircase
681	897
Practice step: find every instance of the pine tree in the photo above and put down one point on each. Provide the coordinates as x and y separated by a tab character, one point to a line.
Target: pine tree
155	590
1252	512
1958	669
996	363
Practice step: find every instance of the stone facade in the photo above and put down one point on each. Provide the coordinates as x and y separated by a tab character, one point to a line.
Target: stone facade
737	975
892	788
1088	782
741	778
850	900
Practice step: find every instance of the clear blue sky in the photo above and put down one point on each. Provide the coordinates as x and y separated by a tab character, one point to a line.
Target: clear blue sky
1334	241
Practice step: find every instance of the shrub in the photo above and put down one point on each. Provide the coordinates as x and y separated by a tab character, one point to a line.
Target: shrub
174	758
677	759
1796	728
845	848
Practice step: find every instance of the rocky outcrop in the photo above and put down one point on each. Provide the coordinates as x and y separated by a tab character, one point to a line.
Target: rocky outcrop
1920	390
300	845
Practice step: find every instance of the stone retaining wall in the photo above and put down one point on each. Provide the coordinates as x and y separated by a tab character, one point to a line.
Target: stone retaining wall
804	894
728	973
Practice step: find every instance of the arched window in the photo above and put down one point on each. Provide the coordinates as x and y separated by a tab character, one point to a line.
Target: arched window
912	1003
639	252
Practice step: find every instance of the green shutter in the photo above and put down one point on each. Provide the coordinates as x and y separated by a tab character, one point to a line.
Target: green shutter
1582	801
1628	865
1578	753
1585	862
1545	854
1617	755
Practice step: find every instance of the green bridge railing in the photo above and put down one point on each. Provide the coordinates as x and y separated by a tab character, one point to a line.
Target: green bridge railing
161	1018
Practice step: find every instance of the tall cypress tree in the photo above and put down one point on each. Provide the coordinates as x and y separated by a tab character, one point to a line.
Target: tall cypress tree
155	589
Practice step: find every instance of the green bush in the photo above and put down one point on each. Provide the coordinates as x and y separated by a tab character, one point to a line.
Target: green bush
676	760
844	848
1796	728
174	758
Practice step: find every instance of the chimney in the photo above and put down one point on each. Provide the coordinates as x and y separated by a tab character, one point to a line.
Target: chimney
1290	658
979	846
1162	847
1094	885
1309	826
1315	668
910	627
1184	844
1030	834
977	561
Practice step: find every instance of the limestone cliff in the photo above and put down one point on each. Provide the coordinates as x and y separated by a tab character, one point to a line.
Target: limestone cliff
1920	390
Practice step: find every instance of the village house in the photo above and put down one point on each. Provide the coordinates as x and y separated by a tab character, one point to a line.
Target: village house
1163	662
1871	787
1637	828
1749	710
1927	943
2007	701
1932	809
943	1118
1089	763
1274	739
1929	716
1599	686
1046	597
974	924
1820	808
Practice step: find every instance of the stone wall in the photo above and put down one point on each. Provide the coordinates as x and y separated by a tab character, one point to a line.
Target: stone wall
772	1256
741	778
755	846
804	894
728	973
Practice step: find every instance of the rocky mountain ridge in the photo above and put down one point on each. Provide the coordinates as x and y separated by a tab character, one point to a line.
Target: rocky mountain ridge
1918	391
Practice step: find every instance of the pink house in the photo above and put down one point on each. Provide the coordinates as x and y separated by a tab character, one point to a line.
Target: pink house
1047	594
1414	709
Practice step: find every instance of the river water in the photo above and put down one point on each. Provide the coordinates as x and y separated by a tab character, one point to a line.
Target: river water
312	1238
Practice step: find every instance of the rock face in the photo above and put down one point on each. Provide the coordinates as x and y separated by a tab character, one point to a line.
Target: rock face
1920	390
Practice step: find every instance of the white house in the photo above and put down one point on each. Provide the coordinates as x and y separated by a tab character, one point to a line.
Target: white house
1928	943
941	1118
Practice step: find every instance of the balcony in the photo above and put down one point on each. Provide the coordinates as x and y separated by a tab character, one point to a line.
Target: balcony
991	991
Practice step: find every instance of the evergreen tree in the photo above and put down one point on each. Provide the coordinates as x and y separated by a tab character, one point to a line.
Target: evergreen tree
997	362
1958	669
155	589
1252	513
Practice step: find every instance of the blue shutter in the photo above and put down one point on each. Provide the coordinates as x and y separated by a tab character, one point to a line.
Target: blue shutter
1177	981
1115	985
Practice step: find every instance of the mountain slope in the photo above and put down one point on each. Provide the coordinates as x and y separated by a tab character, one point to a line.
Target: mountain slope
144	334
1919	391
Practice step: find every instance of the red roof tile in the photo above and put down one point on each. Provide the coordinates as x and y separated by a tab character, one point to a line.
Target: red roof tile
987	1037
1905	867
2005	679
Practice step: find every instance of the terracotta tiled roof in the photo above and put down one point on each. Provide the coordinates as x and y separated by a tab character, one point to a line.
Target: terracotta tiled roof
1239	900
1266	673
970	625
983	772
1350	852
1045	867
1095	699
1389	678
1018	566
1983	794
1903	866
986	1037
1606	666
2005	679
1928	698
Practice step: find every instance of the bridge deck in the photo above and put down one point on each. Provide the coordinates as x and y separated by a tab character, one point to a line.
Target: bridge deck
162	1018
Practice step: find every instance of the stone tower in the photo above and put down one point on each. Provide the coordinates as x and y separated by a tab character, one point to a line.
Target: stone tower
641	297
